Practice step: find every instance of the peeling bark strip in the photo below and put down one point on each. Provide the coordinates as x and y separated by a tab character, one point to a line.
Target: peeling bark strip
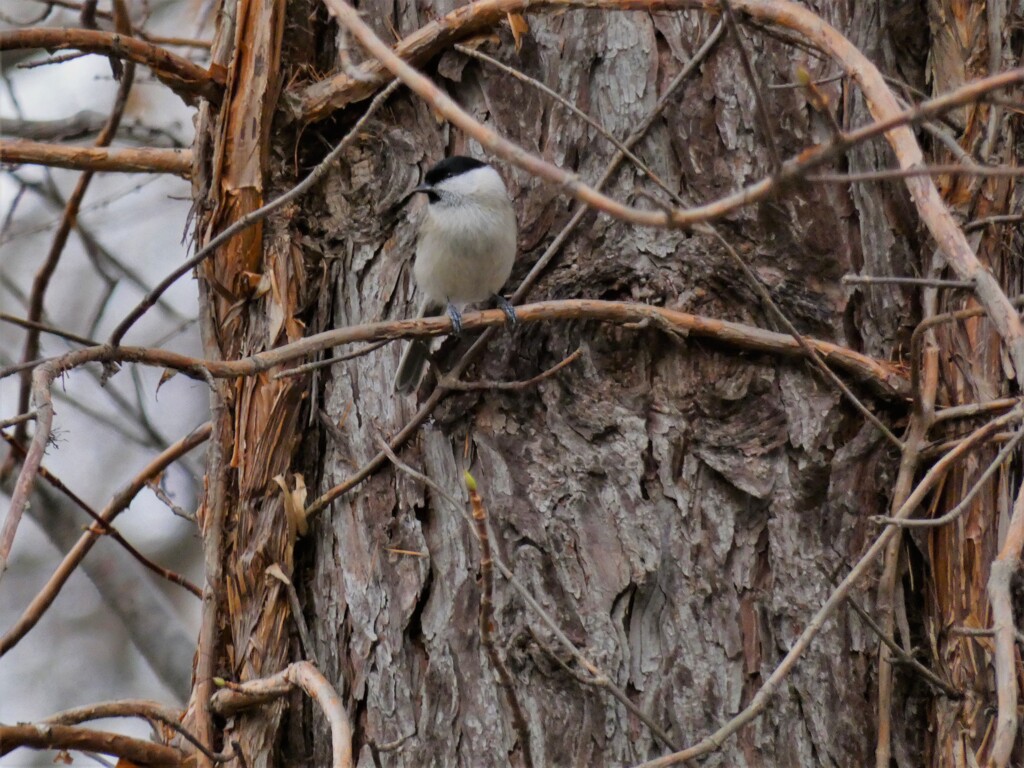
243	633
186	79
124	160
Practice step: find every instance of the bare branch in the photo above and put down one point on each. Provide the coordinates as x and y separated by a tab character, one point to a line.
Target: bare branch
883	378
142	708
184	42
44	736
123	160
186	79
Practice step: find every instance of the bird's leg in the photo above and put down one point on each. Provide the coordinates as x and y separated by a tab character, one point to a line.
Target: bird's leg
456	318
508	309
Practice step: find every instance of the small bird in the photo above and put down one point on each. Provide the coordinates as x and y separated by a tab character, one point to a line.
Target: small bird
465	250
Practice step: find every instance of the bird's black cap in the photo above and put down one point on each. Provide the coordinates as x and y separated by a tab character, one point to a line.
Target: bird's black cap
449	167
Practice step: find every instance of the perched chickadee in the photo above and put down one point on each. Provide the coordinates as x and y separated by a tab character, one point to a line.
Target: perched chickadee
465	250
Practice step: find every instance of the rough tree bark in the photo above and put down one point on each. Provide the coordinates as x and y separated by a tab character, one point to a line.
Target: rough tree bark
680	509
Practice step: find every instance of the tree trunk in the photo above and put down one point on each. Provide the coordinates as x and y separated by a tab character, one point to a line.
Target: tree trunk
680	509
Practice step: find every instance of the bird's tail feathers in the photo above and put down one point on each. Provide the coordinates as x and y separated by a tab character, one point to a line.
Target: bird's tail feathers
414	359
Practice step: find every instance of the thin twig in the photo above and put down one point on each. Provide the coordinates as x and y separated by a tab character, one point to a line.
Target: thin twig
803	343
821	104
44	328
277	572
755	85
487	618
962	506
910	461
904	657
601	681
211	516
19	419
999	171
1015	218
51	60
510	386
975	409
980	632
916	281
161	494
317	364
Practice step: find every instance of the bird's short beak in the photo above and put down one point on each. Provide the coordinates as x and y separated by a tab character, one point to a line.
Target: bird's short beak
420	188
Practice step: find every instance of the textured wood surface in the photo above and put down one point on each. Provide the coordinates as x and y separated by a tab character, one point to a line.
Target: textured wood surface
680	509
